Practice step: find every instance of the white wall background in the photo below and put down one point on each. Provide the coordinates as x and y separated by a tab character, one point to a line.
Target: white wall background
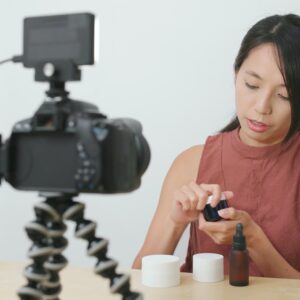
167	63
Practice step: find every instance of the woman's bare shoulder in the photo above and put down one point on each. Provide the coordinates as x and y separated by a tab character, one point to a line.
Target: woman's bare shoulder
190	153
186	164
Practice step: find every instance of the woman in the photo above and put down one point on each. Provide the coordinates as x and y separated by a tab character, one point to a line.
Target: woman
254	161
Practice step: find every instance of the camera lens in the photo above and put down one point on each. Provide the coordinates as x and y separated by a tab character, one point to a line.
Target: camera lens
142	146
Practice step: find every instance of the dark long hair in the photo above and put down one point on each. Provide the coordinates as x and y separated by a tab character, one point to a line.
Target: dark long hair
283	31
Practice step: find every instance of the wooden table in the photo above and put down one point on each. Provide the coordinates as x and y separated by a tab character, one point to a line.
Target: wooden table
83	284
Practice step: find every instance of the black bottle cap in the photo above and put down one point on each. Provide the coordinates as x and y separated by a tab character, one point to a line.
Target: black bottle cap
239	240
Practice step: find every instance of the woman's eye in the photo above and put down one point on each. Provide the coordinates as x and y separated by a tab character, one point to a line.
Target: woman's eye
283	97
252	87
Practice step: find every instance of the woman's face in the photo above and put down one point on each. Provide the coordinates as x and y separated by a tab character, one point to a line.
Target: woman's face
262	104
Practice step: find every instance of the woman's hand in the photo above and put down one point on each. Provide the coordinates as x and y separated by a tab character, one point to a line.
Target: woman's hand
222	231
190	200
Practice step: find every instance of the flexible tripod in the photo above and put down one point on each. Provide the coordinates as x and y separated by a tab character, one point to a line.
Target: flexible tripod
47	232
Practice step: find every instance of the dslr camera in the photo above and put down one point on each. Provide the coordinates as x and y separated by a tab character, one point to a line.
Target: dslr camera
69	146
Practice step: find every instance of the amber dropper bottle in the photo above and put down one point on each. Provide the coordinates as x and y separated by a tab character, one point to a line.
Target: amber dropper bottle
239	259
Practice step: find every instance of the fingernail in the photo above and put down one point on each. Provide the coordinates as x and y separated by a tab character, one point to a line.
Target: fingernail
222	212
209	201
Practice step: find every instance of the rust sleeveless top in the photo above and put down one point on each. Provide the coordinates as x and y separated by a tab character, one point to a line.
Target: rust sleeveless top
266	184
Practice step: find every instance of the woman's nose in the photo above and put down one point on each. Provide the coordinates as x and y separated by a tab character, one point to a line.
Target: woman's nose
263	104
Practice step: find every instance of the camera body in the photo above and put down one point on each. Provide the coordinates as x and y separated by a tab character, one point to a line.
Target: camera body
70	147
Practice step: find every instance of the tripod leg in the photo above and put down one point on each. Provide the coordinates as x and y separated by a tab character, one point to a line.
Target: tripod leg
40	250
48	242
51	288
106	267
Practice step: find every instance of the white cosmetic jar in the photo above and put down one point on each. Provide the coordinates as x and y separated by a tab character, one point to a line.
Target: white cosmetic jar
160	271
208	267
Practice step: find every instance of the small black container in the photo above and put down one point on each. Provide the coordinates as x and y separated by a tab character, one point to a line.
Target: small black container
211	213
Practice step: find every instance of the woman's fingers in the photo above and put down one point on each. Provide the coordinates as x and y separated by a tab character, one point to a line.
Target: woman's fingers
182	199
233	214
202	195
228	194
194	196
214	190
191	199
191	196
222	231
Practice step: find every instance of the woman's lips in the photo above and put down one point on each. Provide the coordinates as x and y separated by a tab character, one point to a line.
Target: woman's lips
257	126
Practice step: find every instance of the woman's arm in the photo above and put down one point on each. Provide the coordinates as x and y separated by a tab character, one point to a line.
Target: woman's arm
163	234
